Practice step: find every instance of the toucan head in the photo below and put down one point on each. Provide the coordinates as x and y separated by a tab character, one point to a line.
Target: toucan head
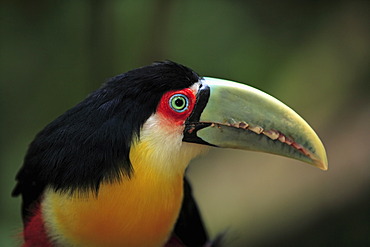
226	114
169	111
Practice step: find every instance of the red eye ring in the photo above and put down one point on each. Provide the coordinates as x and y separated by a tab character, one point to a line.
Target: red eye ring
176	106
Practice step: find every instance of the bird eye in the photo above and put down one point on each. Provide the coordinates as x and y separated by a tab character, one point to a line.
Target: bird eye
179	102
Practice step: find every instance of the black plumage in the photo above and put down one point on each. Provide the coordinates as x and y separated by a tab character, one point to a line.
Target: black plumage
90	143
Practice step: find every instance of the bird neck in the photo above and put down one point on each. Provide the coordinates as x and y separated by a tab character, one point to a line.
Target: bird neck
137	211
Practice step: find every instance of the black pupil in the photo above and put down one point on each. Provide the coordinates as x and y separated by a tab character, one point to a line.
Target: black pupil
179	102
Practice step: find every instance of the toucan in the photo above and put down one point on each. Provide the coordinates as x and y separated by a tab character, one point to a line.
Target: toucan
111	170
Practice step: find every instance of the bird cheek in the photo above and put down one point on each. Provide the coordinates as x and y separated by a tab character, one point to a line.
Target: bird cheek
171	120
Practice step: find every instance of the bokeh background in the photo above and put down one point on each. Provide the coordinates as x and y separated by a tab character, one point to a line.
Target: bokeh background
312	55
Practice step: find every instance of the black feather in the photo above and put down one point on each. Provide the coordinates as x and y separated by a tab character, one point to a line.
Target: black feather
189	227
90	143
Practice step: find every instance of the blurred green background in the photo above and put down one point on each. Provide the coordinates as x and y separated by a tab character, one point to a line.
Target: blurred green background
312	55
